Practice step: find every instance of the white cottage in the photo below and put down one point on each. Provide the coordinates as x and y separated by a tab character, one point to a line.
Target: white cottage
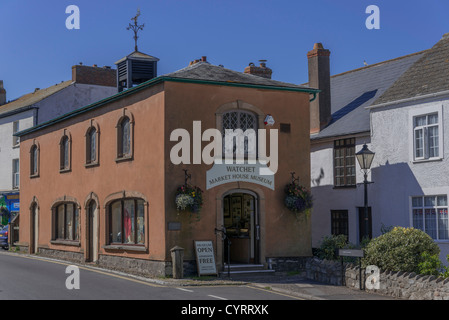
344	127
410	135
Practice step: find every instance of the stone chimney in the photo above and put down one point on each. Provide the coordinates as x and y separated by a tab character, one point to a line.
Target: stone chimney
2	94
319	78
101	76
261	70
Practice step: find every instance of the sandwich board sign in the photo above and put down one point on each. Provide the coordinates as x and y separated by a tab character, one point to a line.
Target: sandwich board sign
205	258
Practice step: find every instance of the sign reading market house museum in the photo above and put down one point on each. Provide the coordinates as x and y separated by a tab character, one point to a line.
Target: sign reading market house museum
205	258
225	173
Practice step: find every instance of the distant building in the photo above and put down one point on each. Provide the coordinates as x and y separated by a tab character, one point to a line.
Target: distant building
88	84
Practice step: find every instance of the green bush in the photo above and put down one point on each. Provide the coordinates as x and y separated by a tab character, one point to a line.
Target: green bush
432	265
400	249
329	246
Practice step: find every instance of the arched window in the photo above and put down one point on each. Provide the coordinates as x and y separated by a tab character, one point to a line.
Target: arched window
64	148
34	160
244	142
127	221
124	138
92	146
66	221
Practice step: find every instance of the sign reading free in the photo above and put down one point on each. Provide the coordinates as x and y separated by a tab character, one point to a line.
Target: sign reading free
205	258
225	173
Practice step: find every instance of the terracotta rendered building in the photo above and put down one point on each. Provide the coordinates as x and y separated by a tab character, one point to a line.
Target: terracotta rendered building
99	183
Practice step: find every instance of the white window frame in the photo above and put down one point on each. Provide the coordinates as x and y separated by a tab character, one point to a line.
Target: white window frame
424	129
436	206
15	129
15	174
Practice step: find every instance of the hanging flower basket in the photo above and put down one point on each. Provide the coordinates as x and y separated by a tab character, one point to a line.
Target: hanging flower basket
189	198
297	198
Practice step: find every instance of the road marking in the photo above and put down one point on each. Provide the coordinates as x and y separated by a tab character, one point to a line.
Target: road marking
216	297
182	289
274	292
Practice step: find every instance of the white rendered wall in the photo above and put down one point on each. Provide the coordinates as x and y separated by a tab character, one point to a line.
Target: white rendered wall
398	177
327	198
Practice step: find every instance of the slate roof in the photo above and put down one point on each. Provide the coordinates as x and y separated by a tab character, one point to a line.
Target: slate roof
430	74
200	72
208	72
354	90
27	100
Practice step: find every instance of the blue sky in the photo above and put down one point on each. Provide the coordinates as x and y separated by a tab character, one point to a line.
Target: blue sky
37	50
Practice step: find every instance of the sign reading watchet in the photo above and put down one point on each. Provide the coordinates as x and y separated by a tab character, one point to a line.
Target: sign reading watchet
224	173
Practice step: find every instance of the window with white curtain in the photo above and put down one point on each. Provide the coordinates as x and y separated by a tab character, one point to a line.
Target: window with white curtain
430	214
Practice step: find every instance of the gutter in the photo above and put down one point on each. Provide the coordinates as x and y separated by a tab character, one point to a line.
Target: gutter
425	96
152	82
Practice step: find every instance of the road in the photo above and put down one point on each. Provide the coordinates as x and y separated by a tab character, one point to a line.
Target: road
24	277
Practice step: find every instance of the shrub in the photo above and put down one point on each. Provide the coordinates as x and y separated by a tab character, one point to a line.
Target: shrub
400	249
432	265
329	246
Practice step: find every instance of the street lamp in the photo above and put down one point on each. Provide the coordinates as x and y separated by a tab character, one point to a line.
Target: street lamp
365	158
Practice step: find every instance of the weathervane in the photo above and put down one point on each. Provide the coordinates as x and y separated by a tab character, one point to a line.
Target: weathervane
135	27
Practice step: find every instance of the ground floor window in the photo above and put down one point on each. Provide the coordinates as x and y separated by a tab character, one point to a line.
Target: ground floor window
67	222
126	222
430	214
339	222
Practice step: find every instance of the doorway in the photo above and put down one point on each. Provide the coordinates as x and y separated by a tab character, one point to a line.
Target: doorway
92	235
241	221
34	247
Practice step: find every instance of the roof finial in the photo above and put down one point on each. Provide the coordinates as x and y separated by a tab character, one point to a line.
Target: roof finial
135	27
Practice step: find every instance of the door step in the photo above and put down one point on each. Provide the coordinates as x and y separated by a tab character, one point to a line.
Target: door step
246	270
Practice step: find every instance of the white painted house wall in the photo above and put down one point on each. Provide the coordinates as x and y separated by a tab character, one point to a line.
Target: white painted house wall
398	176
327	197
8	151
75	96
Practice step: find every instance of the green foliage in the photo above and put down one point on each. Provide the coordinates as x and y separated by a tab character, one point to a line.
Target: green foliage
432	265
329	246
400	249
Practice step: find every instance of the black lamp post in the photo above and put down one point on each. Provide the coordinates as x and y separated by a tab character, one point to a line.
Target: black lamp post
365	158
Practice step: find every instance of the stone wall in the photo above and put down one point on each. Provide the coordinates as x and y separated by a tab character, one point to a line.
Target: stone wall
404	285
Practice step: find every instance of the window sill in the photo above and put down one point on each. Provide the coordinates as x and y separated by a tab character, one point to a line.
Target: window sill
345	187
91	164
34	176
139	248
75	243
427	160
124	158
65	170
